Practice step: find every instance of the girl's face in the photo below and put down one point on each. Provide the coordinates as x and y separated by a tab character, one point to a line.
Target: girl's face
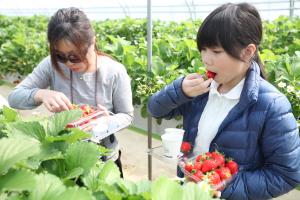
229	70
67	54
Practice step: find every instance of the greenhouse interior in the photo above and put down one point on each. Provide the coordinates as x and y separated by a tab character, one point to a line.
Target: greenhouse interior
140	100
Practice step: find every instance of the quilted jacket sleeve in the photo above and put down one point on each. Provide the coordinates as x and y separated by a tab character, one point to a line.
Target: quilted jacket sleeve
168	102
280	146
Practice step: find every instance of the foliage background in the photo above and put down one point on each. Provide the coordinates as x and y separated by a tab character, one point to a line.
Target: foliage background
23	44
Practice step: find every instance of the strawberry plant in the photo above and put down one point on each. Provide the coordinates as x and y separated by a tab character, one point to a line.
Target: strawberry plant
41	159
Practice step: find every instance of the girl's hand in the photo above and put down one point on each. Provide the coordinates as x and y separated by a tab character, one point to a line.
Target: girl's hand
102	108
54	101
194	85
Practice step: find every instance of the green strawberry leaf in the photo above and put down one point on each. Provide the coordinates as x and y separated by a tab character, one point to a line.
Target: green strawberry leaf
49	187
164	188
10	114
13	150
73	136
32	129
81	154
17	181
76	193
59	121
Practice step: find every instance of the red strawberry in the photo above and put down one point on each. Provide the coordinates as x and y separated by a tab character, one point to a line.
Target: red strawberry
219	158
233	166
210	74
185	147
200	158
199	175
207	155
214	178
197	165
208	165
189	167
224	173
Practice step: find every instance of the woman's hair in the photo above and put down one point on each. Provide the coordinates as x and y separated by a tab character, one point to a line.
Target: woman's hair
73	25
232	27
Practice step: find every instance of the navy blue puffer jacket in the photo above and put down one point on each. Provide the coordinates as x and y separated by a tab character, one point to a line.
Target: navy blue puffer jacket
260	133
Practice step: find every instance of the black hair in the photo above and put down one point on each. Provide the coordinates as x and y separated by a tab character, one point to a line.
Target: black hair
73	25
232	27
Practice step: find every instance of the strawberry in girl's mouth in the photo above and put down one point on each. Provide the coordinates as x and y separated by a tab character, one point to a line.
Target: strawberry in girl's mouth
210	74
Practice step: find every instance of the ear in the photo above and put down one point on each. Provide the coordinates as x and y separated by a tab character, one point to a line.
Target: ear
248	52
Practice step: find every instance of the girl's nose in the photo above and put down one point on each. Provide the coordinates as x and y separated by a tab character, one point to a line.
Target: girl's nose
206	58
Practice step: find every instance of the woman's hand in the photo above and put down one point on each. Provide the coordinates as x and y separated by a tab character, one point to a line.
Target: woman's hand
54	101
104	109
194	85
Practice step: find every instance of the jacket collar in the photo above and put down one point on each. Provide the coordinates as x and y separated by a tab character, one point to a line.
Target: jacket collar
251	87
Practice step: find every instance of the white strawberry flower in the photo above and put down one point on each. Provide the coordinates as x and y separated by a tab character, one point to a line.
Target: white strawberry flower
290	88
281	84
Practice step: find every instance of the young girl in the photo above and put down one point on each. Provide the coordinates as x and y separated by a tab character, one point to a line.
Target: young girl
78	73
237	112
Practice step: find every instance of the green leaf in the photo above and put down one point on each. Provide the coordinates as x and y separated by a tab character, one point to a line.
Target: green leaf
164	188
32	129
49	187
91	180
111	192
81	154
131	188
76	193
110	173
13	150
17	181
73	136
10	114
59	121
192	191
74	173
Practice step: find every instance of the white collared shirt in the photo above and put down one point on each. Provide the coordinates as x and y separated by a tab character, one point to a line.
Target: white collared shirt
215	111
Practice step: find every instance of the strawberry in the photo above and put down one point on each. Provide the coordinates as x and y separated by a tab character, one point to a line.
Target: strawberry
197	165
189	167
233	166
185	147
213	178
199	175
208	165
219	158
224	173
210	74
200	158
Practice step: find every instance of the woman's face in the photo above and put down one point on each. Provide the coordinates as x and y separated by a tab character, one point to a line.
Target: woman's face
229	71
68	54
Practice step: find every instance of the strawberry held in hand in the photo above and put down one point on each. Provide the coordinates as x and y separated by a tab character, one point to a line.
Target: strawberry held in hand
185	147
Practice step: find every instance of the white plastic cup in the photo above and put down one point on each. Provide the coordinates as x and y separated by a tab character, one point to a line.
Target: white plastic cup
172	140
174	130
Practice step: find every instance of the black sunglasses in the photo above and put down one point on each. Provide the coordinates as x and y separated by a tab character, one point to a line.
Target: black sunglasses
65	58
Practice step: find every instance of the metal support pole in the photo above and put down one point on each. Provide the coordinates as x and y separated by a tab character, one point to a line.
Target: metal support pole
149	64
292	6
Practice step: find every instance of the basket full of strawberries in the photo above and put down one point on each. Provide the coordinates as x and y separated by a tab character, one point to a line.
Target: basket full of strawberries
88	115
212	167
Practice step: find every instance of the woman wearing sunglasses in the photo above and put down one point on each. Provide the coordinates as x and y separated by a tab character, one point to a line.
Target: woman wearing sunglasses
77	72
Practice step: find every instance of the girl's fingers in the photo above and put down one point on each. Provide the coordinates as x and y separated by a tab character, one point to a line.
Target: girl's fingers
62	104
67	102
193	76
102	108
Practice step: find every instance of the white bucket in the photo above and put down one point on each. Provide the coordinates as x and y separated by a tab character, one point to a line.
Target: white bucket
172	140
